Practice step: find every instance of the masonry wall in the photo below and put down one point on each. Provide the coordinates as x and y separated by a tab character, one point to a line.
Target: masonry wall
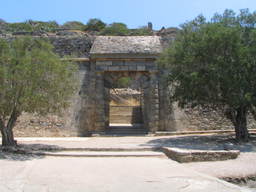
80	118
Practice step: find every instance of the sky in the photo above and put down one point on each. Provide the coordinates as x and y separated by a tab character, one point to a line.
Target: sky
134	13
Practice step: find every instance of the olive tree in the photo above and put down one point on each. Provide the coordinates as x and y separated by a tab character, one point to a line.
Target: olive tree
213	63
32	79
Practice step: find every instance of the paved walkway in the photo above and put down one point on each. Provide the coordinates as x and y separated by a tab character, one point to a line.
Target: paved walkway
193	142
104	175
241	167
35	173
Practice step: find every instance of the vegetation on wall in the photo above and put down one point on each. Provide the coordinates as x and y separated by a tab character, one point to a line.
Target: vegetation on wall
212	63
93	25
32	26
74	25
119	29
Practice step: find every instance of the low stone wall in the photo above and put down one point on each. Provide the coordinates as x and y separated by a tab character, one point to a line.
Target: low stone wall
185	156
32	125
204	119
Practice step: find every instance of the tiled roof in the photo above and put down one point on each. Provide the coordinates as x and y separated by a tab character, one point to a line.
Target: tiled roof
126	45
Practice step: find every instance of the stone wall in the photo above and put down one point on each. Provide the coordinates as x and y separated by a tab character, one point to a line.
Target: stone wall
75	44
204	119
65	124
84	117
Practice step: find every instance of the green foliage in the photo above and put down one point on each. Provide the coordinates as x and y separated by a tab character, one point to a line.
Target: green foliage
31	26
50	26
32	79
213	63
116	29
17	27
75	25
123	82
95	25
142	31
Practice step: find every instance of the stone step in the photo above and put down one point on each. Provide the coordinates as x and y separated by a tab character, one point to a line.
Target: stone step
127	109
124	113
101	154
136	129
125	119
126	133
127	129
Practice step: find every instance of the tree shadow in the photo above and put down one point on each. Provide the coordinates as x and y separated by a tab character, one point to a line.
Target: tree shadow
12	156
205	142
26	152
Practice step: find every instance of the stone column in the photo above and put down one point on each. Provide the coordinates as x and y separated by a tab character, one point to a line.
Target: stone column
166	112
99	103
107	107
151	104
86	114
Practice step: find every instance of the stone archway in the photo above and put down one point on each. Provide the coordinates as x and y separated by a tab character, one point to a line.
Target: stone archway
115	57
149	91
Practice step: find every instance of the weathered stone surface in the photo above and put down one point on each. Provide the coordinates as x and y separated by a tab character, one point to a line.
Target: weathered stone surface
90	104
184	156
126	45
76	45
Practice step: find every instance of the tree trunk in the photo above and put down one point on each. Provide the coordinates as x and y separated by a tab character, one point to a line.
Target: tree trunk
241	124
7	130
7	137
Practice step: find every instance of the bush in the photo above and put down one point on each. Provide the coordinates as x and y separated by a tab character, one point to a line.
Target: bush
75	25
95	25
116	29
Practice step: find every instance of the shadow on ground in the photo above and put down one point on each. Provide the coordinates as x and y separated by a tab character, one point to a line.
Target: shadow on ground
22	152
18	157
205	142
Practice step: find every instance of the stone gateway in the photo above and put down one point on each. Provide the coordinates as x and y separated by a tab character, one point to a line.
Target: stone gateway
114	57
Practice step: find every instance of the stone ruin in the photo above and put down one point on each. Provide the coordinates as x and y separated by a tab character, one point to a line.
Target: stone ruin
114	57
102	61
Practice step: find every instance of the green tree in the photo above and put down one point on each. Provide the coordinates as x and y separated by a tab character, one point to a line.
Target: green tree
75	25
212	63
116	29
32	79
95	25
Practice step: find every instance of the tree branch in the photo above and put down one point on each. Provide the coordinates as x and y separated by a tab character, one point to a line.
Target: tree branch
15	114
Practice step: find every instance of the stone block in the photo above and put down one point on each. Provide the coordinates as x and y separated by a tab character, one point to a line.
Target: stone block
117	63
141	68
141	63
183	155
124	68
107	63
151	68
132	68
101	68
113	68
128	63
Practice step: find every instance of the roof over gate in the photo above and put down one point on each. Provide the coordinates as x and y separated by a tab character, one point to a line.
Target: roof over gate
146	45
